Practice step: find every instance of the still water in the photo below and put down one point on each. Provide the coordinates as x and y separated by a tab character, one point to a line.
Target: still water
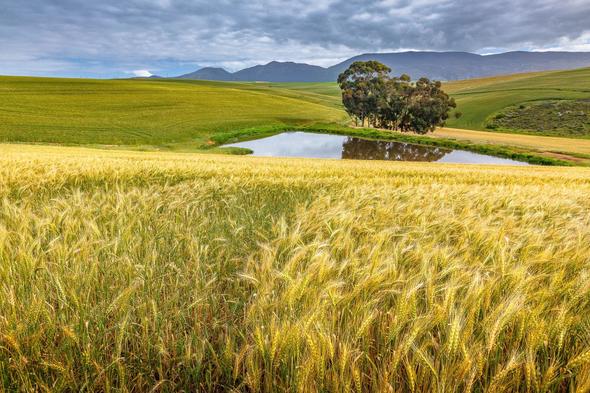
310	145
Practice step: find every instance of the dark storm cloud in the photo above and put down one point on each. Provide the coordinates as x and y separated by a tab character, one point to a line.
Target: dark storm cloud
74	37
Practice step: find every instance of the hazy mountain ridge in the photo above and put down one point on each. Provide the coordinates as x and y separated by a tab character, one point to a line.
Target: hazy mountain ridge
209	73
435	65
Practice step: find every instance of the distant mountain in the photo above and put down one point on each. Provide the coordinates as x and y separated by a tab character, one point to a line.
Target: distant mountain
283	72
209	73
463	65
148	77
272	72
435	65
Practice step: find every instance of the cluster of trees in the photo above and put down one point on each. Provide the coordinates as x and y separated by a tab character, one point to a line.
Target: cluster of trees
371	96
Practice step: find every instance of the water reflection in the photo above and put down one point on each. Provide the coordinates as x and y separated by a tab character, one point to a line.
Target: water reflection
310	145
364	149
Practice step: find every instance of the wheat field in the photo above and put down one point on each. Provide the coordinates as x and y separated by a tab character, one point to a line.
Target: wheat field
124	271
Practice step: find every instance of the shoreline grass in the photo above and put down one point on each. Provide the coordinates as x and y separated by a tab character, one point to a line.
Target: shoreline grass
216	142
503	151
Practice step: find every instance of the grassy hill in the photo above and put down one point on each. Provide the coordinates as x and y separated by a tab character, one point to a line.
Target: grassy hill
146	112
480	100
465	84
157	271
191	115
150	112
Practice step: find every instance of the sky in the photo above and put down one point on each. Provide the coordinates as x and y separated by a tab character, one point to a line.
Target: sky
122	38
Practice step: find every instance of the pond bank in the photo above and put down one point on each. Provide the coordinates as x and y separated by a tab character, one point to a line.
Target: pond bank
503	151
303	144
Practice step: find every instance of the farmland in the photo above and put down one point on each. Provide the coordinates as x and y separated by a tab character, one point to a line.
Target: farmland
169	270
145	113
560	117
480	99
141	271
294	196
185	115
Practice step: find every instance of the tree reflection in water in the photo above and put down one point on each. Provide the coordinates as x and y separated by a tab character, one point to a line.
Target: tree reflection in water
363	149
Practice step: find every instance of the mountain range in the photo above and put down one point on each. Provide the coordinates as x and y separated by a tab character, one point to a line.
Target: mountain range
434	65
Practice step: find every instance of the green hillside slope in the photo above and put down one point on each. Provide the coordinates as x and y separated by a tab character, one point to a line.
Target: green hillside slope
188	115
132	112
481	100
479	104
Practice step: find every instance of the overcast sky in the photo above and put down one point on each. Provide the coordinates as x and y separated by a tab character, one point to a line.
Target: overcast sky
107	38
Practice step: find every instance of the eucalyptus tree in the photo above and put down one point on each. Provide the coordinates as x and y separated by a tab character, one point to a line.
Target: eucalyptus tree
370	94
427	107
362	86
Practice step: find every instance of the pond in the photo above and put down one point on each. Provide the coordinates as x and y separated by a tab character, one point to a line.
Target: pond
311	145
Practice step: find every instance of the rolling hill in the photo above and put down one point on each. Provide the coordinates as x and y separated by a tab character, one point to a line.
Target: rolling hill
481	99
188	115
147	112
435	65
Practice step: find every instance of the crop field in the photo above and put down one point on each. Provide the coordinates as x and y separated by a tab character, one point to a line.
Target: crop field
131	271
478	83
480	100
152	113
561	118
547	144
185	115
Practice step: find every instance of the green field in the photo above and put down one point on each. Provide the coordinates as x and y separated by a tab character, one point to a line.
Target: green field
559	117
196	115
137	271
133	112
481	101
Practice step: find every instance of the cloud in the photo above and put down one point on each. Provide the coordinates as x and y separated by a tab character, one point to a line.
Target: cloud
579	44
108	37
141	73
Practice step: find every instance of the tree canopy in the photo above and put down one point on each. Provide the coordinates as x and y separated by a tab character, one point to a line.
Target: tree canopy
370	95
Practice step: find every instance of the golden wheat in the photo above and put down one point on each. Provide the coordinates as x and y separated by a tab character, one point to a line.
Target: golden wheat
138	272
